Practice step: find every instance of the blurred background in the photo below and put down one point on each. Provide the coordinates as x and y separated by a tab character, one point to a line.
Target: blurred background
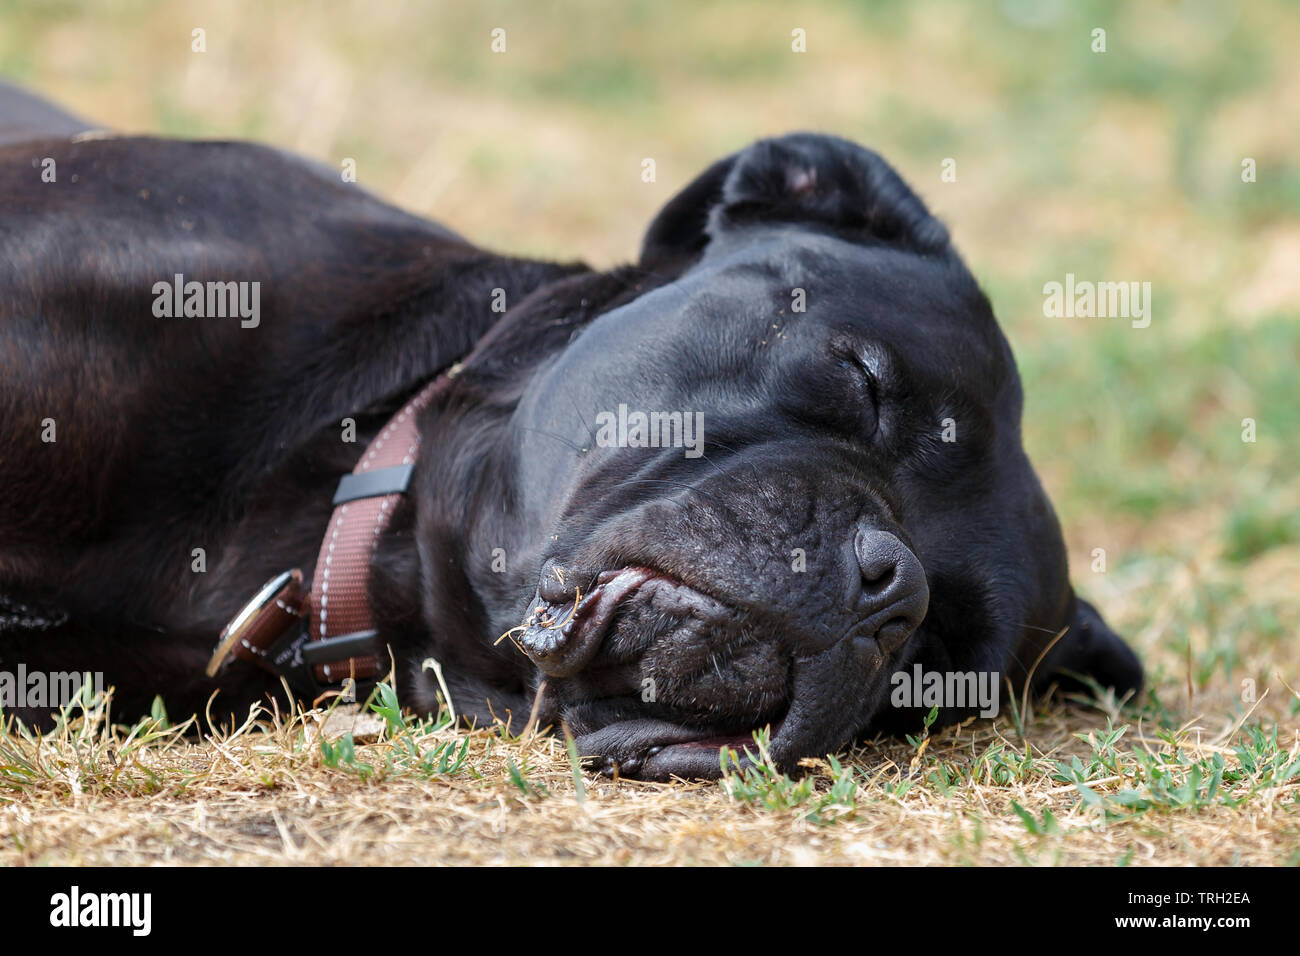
1117	166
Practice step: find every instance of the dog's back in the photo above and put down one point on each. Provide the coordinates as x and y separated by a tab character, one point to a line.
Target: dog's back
134	431
25	117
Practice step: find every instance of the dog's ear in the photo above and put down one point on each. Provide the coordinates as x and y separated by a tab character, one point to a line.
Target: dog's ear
679	233
1090	649
823	181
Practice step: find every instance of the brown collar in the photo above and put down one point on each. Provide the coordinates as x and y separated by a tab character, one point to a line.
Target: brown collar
327	636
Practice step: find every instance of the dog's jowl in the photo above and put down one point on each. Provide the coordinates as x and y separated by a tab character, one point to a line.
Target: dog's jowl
385	443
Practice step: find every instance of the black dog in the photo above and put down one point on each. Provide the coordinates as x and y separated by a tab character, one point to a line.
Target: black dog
832	489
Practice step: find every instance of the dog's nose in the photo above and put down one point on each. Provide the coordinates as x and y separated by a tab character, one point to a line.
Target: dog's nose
894	594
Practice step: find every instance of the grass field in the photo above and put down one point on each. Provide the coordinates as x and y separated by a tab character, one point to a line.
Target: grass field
1122	165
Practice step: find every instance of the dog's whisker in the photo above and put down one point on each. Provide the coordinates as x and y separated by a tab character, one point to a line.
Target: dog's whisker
559	438
590	434
757	477
668	481
754	485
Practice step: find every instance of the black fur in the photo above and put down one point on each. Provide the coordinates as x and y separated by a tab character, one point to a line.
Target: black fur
176	434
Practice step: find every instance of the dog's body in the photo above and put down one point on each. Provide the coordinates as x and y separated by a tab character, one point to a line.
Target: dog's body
777	578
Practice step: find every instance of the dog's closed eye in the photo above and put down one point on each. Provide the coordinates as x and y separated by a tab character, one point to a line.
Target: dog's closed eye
839	391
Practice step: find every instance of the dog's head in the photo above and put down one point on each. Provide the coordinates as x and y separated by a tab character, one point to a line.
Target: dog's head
794	470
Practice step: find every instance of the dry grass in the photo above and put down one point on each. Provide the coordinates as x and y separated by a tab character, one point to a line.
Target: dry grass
346	788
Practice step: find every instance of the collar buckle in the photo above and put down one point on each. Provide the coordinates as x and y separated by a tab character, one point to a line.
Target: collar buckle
275	610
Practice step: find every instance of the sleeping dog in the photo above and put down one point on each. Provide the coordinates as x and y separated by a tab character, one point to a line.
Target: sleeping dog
264	434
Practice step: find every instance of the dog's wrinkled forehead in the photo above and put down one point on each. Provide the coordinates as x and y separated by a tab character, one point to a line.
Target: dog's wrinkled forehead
772	305
782	258
816	228
927	305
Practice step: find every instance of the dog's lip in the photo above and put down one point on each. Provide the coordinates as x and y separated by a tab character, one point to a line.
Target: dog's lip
596	608
569	636
667	750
